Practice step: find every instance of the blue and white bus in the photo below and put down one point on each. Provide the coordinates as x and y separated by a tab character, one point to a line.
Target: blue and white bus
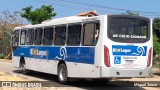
98	47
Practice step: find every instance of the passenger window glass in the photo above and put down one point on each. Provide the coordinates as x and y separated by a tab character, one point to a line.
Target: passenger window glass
48	36
74	35
30	36
91	33
23	37
60	35
16	38
38	36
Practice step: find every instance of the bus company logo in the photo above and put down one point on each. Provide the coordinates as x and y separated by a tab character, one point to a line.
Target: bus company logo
36	52
141	51
62	54
119	50
129	50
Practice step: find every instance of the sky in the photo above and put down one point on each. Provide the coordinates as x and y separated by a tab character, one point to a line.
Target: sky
64	8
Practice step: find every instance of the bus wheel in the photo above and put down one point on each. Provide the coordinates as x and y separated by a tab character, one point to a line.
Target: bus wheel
23	68
62	74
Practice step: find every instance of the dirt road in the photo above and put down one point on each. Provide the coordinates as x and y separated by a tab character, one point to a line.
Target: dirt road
8	73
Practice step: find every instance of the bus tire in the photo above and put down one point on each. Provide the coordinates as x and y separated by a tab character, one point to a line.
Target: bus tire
23	68
62	74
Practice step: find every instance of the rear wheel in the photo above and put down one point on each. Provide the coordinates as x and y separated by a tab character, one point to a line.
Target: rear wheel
23	68
62	74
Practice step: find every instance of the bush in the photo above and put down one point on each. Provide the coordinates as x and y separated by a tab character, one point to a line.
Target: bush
2	56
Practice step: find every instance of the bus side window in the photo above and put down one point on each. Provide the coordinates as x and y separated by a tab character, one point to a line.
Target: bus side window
90	33
16	38
23	37
74	34
48	36
60	35
38	36
30	36
96	33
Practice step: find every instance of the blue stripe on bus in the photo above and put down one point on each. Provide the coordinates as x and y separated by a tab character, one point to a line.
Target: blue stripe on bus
129	50
70	54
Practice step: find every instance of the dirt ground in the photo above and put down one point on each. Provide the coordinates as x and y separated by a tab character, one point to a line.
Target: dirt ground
5	60
9	77
4	77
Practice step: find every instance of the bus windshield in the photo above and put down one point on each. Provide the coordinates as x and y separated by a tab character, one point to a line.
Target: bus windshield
128	29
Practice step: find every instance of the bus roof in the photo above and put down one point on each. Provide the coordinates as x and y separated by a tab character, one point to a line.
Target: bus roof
67	20
58	21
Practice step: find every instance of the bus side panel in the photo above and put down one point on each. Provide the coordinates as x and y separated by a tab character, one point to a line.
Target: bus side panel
16	61
41	65
79	60
81	70
99	57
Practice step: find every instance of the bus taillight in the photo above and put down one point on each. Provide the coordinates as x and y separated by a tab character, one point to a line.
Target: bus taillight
106	56
149	57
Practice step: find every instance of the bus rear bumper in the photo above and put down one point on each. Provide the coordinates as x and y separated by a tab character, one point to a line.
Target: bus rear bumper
125	72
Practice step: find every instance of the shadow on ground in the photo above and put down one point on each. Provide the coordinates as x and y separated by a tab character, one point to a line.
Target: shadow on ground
51	81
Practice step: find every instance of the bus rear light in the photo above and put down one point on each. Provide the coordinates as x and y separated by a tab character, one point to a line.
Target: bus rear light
149	57
106	56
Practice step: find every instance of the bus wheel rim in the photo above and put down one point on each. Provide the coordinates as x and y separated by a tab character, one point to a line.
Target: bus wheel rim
62	74
23	67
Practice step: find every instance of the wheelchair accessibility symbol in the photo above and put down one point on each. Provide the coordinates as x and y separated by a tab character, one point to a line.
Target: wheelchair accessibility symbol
117	60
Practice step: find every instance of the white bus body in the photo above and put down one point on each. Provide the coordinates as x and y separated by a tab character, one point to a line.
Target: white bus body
130	56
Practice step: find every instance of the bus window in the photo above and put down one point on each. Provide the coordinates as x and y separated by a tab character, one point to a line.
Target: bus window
16	38
124	29
23	37
96	33
74	34
90	34
60	35
30	36
48	36
38	36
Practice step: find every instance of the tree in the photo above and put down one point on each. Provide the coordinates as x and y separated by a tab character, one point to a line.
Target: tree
156	41
39	15
7	23
156	45
156	37
156	27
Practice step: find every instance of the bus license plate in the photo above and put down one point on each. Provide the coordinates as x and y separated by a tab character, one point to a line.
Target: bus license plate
129	63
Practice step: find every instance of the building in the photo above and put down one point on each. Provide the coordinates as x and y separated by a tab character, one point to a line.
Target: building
89	14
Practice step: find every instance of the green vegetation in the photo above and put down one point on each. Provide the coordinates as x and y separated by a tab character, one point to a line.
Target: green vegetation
156	42
39	15
8	21
2	56
156	36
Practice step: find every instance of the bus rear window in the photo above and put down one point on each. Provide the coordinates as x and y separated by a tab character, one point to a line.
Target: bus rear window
128	29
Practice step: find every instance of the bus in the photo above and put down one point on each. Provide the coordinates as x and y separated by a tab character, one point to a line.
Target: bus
98	47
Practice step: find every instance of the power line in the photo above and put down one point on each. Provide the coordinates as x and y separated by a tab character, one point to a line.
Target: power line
104	7
92	5
58	4
73	7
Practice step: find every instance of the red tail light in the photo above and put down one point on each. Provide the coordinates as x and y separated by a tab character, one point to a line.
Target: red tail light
106	56
149	57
